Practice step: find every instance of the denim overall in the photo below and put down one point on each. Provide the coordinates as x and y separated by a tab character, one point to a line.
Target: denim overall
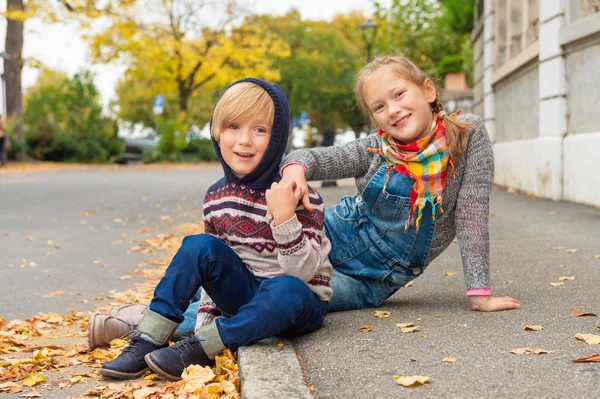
372	253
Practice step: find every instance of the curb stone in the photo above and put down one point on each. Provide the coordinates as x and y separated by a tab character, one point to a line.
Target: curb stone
268	371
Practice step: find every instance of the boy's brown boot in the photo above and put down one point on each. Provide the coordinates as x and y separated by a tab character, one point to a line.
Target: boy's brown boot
103	329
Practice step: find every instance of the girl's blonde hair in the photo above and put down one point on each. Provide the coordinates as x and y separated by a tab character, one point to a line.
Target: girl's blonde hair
239	100
456	131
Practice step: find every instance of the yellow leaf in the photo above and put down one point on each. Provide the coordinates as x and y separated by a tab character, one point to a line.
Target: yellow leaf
533	328
590	339
566	278
449	360
143	392
412	381
570	251
196	377
511	190
281	344
365	328
407	330
53	294
530	351
404	325
381	314
409	284
118	343
508	281
557	284
34	378
450	274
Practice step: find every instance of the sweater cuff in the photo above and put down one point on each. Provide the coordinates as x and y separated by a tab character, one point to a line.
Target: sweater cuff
479	291
287	233
292	163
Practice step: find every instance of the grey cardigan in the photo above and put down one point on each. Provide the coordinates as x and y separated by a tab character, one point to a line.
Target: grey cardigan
465	201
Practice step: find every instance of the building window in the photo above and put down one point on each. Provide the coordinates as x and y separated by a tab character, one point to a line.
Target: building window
517	27
583	8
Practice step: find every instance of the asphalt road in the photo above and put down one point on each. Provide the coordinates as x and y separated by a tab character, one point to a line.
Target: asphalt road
340	361
344	363
38	207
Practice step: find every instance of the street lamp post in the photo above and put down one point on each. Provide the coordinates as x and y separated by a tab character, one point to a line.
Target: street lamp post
368	30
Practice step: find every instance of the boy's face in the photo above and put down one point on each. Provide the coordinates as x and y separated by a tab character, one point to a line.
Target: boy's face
243	142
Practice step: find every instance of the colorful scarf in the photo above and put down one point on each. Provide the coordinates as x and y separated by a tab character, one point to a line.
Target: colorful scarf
426	161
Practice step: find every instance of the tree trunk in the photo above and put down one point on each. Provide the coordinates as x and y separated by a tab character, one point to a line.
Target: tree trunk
12	72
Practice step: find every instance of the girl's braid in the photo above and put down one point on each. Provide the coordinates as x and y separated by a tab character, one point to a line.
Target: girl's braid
436	106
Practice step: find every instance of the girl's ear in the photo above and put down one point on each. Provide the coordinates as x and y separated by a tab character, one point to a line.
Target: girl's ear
429	88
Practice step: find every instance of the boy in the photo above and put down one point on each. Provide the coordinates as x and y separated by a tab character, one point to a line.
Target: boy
272	276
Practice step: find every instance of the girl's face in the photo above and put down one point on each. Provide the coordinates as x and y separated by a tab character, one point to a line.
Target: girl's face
400	107
243	142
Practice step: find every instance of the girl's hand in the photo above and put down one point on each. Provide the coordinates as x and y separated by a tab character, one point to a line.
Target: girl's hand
295	173
282	200
488	303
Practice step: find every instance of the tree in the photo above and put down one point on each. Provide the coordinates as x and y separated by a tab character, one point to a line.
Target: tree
426	31
63	120
171	43
14	65
317	75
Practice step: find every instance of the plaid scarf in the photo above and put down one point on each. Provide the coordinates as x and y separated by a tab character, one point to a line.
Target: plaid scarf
426	161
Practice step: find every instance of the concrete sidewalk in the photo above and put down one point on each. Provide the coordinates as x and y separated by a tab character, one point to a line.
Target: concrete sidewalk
529	239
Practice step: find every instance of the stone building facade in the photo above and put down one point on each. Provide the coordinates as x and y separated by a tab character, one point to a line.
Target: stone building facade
537	87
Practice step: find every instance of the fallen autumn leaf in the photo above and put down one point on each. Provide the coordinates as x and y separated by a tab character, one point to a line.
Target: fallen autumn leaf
579	313
593	358
533	328
530	351
381	314
590	339
412	381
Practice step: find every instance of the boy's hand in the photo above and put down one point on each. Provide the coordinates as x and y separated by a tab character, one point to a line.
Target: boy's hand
282	200
488	303
295	173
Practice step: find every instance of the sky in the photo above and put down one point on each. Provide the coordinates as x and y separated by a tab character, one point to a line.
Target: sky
60	46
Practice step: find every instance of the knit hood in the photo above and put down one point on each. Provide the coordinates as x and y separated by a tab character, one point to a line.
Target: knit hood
267	170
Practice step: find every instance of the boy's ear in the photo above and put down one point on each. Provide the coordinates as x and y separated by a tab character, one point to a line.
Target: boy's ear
429	88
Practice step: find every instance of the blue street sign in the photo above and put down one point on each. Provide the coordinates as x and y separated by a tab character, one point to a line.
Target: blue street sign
159	104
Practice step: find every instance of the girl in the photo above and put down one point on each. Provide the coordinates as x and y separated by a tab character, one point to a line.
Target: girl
423	178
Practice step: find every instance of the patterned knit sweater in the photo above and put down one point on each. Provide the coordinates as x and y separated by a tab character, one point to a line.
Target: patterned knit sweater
466	196
299	247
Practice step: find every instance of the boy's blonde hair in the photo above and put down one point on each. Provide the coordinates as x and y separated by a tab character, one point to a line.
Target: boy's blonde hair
456	131
241	99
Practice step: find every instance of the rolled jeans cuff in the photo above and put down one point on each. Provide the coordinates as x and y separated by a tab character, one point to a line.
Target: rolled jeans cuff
210	339
156	327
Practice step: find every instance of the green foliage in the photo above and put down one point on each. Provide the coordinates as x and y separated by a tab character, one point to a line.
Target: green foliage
202	149
63	120
458	16
317	76
451	63
427	31
172	135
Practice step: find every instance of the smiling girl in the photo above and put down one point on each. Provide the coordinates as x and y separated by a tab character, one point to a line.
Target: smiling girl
422	179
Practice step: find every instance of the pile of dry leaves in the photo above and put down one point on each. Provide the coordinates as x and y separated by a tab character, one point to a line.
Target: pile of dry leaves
50	351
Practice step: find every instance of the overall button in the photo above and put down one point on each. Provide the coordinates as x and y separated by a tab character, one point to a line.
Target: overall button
358	199
416	270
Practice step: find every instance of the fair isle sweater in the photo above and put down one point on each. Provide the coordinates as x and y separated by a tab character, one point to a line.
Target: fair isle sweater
299	247
465	199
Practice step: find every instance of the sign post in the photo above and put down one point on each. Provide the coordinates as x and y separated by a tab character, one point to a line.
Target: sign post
159	104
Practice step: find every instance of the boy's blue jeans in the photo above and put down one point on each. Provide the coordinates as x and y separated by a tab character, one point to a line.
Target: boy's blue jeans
261	308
